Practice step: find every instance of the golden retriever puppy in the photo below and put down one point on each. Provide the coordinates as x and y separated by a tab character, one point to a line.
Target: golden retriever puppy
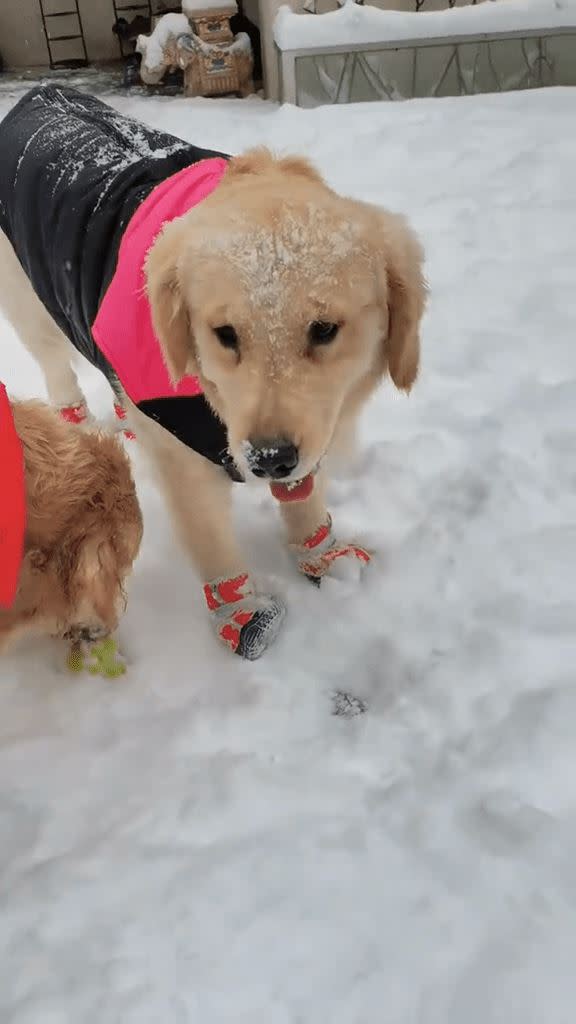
83	531
290	304
242	310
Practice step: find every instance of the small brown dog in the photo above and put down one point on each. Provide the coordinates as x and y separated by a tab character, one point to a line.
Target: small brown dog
83	530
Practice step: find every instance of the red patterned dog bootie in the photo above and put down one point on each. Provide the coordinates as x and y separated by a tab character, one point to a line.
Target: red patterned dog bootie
321	553
120	413
75	413
246	621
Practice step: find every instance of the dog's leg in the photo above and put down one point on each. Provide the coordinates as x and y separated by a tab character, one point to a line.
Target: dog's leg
199	496
118	424
120	419
12	625
311	538
302	518
97	592
40	335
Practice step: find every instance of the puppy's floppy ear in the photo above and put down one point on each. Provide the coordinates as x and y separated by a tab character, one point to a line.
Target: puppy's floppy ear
262	161
400	257
301	167
170	316
254	161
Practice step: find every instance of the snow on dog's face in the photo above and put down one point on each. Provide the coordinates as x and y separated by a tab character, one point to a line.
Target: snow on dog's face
289	303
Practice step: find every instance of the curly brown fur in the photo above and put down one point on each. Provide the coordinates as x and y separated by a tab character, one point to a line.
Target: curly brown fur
83	532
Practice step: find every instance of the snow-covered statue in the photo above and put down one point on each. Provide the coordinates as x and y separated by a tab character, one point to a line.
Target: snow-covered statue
200	41
159	50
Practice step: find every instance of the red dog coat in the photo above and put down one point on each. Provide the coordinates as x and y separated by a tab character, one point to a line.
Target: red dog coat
12	503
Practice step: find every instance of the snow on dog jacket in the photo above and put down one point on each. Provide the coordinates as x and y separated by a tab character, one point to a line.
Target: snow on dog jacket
84	191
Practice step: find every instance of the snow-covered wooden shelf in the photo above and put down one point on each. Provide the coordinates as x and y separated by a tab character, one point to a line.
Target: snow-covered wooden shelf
359	53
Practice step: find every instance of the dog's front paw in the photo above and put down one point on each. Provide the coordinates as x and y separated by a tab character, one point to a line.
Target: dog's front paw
322	554
247	622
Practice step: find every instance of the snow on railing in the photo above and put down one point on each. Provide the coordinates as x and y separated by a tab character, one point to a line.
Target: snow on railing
363	53
193	7
352	24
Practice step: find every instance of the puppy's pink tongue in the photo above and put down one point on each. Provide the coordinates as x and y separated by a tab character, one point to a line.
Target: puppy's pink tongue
293	492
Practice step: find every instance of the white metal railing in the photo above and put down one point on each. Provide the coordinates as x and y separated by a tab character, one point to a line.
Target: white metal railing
365	53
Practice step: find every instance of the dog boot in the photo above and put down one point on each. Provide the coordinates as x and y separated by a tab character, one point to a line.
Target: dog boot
244	620
75	413
121	416
322	553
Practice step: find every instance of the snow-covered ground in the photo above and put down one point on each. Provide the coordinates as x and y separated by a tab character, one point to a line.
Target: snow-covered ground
206	842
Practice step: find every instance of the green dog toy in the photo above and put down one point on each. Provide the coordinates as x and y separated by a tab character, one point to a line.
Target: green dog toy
99	658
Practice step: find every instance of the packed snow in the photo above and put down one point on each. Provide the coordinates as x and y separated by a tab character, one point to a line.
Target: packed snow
212	841
363	25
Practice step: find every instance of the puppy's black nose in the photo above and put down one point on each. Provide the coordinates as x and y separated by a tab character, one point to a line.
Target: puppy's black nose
273	459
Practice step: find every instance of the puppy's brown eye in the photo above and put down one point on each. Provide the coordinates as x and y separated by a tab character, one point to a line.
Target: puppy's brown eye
322	333
227	336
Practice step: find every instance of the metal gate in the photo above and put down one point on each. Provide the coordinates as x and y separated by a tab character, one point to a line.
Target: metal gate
50	23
